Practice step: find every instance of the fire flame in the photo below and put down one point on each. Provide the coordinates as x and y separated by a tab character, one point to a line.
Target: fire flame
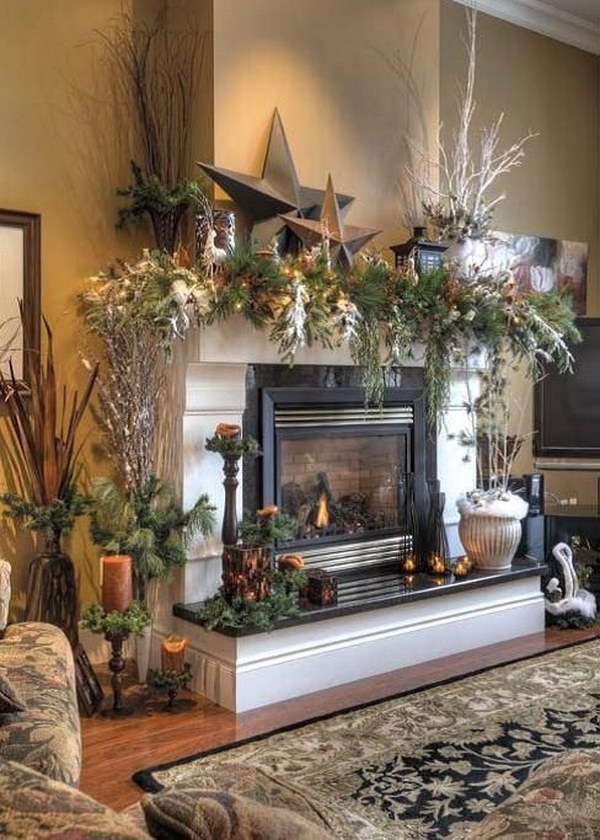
322	520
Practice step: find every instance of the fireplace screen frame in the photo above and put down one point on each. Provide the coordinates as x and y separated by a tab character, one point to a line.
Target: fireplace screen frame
370	422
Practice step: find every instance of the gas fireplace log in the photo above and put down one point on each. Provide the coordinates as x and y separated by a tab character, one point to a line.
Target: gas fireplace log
293	498
324	486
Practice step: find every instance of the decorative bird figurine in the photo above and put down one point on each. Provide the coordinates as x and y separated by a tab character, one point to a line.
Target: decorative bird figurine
574	600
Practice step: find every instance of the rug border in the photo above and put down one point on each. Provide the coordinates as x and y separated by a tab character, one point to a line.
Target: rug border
143	778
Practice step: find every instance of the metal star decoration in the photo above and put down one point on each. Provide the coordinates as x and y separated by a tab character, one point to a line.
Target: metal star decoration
345	240
278	190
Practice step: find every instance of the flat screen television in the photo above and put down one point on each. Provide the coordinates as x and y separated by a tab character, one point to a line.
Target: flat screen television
567	405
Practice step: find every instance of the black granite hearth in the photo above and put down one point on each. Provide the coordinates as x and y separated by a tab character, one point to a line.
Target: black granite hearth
354	594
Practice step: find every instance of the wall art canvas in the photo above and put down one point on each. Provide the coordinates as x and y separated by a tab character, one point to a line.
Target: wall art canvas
19	280
541	264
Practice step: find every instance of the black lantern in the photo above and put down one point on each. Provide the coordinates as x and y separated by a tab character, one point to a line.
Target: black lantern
427	255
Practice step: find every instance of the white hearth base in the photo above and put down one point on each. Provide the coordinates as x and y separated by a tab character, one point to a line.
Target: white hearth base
247	672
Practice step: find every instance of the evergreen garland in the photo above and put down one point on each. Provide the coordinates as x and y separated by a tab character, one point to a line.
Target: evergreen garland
380	312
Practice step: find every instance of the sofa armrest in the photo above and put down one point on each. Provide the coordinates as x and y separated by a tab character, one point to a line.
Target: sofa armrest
38	661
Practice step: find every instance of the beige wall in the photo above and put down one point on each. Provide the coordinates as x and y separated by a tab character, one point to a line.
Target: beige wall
59	156
63	155
326	65
551	88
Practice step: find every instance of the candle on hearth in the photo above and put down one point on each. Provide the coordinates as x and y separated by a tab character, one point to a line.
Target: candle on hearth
461	568
172	655
117	583
437	565
409	564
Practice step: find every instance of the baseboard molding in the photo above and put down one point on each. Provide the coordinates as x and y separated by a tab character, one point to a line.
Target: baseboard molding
248	672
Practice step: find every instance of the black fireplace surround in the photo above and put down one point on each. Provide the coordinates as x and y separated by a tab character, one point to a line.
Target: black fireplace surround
335	465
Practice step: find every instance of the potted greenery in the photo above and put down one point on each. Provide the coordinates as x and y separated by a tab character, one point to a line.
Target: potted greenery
149	525
247	566
490	515
164	206
42	428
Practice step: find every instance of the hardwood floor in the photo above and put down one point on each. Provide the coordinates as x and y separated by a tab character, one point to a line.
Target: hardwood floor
114	749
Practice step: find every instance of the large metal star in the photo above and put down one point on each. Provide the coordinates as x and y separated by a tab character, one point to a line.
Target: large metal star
278	190
345	240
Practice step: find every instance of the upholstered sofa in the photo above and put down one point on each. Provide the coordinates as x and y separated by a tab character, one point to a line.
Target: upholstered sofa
40	762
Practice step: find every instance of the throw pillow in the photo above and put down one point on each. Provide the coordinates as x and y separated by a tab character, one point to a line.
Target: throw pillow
193	814
34	806
10	701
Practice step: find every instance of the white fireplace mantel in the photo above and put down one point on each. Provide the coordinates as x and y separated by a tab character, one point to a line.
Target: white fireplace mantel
215	393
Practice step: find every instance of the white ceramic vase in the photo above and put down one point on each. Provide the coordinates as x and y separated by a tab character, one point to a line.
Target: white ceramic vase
472	256
142	653
490	541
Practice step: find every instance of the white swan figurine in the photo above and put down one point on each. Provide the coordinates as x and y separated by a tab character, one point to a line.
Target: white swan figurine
574	599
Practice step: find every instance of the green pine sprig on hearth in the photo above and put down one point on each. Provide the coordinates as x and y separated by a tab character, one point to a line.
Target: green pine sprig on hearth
218	613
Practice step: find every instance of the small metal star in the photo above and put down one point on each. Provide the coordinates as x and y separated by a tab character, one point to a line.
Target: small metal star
345	240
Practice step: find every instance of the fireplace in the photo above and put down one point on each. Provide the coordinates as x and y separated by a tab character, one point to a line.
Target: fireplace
337	467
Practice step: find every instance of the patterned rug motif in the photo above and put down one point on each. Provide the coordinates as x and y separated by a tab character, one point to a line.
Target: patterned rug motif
430	764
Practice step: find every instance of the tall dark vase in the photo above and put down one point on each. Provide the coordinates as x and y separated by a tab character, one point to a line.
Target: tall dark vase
165	224
438	553
52	592
409	553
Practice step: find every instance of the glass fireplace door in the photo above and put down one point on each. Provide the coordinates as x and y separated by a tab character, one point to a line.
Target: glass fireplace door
341	482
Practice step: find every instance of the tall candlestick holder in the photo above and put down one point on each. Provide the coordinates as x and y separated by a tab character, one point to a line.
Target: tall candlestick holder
229	443
116	665
116	627
231	468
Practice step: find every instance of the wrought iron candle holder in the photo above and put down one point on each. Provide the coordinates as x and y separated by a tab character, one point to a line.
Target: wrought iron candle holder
172	682
116	665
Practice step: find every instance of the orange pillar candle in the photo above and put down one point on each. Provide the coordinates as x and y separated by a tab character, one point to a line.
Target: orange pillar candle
117	584
173	653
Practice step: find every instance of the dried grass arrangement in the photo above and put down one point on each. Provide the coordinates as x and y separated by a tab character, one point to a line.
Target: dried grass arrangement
42	424
43	451
460	207
155	69
139	311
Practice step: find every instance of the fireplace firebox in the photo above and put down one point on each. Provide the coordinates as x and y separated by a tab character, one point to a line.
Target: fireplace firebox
337	468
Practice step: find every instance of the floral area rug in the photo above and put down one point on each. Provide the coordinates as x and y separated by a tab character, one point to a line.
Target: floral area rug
430	764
